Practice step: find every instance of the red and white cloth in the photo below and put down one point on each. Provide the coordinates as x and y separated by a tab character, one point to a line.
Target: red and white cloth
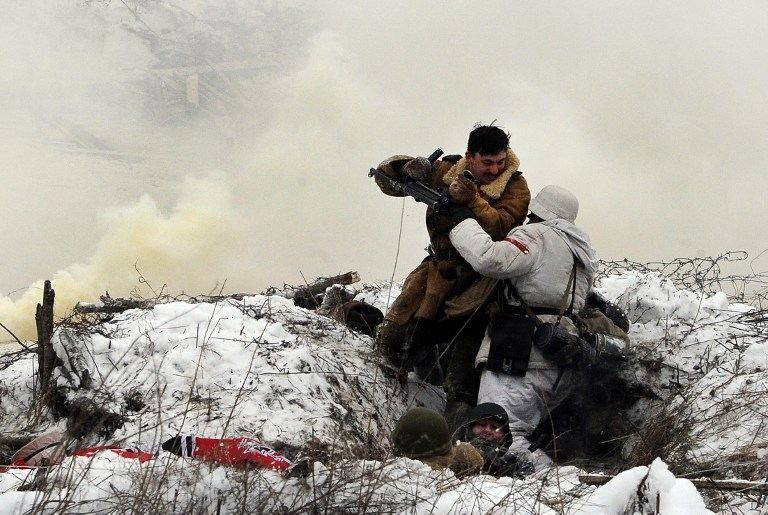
48	450
229	451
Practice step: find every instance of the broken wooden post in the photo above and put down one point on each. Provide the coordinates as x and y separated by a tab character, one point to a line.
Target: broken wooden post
46	357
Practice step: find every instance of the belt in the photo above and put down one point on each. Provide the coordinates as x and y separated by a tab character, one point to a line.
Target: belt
518	310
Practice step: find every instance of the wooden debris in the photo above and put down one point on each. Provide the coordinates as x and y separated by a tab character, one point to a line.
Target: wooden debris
309	296
306	297
47	359
110	305
117	305
77	366
332	303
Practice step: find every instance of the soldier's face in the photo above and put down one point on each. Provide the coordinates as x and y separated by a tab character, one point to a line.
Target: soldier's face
486	167
488	429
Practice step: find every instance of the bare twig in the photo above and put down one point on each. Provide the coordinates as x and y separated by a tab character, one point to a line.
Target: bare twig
16	338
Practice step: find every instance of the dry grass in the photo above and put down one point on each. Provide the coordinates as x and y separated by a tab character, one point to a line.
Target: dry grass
340	482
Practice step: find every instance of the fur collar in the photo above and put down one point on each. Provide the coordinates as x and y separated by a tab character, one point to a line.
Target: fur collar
493	189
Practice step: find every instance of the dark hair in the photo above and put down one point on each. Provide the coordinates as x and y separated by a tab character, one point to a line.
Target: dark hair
487	140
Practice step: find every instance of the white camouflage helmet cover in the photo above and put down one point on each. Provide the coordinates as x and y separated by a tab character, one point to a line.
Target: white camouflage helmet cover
555	202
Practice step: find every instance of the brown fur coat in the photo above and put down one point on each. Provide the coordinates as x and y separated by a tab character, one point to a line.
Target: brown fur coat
463	459
500	206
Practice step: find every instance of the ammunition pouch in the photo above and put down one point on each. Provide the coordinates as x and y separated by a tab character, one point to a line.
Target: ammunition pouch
511	342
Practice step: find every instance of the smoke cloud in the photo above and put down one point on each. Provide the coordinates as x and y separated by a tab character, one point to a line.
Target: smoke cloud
142	252
117	115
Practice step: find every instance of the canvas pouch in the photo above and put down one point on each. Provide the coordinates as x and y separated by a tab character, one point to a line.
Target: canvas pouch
511	342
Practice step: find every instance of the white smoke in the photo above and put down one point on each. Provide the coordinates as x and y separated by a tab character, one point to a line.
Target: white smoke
652	114
144	252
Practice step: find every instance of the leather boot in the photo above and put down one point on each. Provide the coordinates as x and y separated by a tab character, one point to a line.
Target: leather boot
426	364
390	342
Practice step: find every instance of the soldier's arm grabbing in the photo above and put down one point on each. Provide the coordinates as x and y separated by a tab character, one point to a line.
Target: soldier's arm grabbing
509	211
498	204
512	257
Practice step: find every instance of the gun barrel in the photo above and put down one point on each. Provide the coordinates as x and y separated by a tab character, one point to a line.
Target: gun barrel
437	200
420	192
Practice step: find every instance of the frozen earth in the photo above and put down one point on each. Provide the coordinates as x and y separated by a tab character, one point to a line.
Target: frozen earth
305	384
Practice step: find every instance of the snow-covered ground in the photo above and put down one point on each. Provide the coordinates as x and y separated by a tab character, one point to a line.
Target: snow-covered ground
711	367
259	367
262	367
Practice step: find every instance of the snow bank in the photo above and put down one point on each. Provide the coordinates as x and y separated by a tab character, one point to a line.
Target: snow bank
645	490
169	484
263	367
704	359
259	367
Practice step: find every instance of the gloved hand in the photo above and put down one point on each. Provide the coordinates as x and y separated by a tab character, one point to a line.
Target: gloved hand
462	190
459	213
504	465
418	168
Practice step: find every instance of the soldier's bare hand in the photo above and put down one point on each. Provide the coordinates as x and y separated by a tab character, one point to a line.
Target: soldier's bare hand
462	190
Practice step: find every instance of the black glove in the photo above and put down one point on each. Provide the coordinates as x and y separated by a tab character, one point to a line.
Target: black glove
504	465
458	213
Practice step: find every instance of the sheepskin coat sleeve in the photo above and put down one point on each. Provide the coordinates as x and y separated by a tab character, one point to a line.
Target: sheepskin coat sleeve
508	212
539	261
500	206
392	167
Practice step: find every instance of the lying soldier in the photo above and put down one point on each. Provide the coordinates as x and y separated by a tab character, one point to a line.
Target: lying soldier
422	434
487	429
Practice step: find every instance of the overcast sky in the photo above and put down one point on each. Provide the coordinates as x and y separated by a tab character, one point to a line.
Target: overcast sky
653	114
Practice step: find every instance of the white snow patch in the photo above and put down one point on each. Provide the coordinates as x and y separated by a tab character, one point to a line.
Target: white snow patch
645	490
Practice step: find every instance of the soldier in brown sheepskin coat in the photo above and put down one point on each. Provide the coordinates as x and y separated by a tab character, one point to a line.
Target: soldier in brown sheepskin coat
418	318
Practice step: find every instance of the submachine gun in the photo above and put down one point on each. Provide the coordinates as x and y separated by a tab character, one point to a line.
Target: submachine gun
437	200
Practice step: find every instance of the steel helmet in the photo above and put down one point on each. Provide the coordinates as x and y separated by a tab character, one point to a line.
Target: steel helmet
555	202
421	433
